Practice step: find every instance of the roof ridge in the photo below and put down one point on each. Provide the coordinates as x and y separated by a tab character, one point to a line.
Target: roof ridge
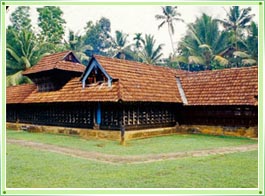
219	71
67	61
226	69
136	62
57	53
172	69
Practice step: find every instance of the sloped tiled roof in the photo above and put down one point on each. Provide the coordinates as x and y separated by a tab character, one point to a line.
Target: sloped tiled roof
55	61
135	81
71	92
17	94
235	86
142	82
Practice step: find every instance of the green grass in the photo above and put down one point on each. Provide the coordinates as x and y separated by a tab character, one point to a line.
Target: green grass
165	144
32	168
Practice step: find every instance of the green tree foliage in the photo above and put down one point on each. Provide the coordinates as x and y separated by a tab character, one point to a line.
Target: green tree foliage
237	21
169	16
239	24
23	50
138	40
51	24
248	46
75	43
251	43
20	18
138	45
24	47
121	46
120	40
201	47
151	53
97	37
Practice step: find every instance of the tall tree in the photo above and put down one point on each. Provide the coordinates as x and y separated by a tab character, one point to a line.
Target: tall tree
203	44
151	53
20	18
121	47
237	21
98	37
51	23
169	16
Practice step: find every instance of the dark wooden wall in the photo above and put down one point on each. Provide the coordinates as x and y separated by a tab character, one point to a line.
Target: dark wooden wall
71	115
150	115
220	115
131	115
138	115
111	116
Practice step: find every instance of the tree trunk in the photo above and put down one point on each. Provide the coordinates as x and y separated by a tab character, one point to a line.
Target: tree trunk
235	32
171	39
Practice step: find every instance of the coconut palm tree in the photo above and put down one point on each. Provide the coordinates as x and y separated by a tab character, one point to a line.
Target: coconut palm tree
138	45
150	53
23	50
203	43
237	21
121	47
169	16
138	40
120	40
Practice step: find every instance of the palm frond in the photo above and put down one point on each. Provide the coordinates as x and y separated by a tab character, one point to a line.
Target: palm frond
194	34
181	59
159	17
13	54
241	54
16	79
249	62
196	60
223	61
161	24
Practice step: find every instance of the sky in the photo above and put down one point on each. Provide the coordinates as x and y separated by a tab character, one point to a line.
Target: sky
133	19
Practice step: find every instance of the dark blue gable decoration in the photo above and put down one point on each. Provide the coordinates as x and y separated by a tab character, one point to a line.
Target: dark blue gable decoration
94	65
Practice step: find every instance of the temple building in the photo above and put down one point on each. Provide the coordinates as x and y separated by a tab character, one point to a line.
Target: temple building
109	93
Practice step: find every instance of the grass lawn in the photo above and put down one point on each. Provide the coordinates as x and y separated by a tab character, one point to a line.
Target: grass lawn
32	168
27	167
155	145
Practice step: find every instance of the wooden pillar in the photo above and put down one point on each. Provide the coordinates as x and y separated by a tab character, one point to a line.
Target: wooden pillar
97	116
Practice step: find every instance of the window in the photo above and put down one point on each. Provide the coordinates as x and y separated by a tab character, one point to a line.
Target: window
96	77
45	87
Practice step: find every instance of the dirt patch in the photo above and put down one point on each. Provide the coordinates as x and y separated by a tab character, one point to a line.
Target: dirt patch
134	159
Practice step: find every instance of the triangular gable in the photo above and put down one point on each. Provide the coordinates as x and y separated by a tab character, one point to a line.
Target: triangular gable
70	56
94	65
